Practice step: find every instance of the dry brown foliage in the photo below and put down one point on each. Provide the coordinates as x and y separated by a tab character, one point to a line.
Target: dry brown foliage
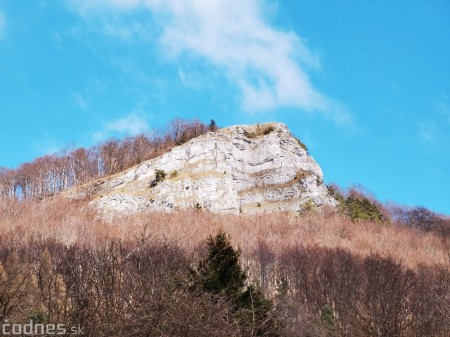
70	222
327	275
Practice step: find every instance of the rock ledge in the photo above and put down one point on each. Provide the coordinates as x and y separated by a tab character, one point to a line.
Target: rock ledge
237	169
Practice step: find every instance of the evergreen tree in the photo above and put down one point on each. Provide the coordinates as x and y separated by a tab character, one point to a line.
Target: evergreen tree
220	272
221	275
362	209
212	125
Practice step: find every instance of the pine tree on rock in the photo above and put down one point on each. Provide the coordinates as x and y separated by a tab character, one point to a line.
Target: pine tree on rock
212	125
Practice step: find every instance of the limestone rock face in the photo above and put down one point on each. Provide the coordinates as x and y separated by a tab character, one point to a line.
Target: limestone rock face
238	169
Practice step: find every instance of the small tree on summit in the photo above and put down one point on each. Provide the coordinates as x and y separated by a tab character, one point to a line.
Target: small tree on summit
212	125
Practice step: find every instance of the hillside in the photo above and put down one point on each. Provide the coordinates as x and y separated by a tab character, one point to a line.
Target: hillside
322	274
238	169
227	232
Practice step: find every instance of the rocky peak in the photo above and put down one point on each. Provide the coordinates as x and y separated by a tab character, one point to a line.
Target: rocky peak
237	169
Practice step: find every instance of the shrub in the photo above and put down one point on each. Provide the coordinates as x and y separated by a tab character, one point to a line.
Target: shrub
160	175
302	174
259	131
302	145
357	206
307	206
362	209
327	317
249	134
268	129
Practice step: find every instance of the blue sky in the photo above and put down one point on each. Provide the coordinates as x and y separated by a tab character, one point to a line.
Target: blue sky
366	85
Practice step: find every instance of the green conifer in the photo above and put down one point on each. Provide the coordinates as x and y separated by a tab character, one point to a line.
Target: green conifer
221	275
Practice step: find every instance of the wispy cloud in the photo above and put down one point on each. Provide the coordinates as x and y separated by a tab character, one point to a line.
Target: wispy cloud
428	133
442	107
80	101
2	25
269	66
125	32
434	129
191	79
47	145
88	7
131	124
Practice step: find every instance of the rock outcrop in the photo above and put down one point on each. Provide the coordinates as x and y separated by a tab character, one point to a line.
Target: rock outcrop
238	169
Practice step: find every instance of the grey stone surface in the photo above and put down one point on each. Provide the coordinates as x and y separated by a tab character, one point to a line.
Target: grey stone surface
224	172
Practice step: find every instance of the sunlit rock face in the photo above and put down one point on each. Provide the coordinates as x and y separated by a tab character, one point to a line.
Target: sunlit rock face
238	169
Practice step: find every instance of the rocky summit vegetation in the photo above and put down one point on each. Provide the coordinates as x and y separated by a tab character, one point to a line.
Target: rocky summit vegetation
358	269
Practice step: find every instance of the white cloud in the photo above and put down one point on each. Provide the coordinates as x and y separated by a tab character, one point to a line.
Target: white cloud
2	25
269	66
130	124
262	61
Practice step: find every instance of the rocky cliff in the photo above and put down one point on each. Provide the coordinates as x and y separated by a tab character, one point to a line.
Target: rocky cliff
238	169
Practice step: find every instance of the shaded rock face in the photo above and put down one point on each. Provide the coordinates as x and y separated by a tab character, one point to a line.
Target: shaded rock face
238	169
